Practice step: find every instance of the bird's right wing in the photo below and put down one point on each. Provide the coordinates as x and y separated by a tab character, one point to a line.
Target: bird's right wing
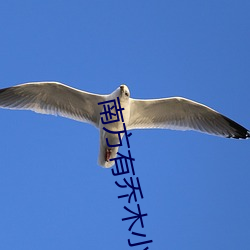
182	114
53	98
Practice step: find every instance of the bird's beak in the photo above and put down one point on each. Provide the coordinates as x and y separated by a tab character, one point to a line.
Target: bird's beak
122	88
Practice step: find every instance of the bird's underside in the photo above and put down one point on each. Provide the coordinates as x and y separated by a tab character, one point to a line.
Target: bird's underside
167	113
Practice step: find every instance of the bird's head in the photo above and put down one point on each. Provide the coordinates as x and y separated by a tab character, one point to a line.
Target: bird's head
124	92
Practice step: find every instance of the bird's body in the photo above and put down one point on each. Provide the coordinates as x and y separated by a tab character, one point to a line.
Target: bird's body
106	152
167	113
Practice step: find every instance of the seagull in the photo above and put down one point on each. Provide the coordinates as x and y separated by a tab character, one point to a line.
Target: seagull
175	113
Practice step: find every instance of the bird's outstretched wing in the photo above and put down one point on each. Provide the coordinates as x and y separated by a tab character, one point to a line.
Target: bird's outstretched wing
53	98
182	114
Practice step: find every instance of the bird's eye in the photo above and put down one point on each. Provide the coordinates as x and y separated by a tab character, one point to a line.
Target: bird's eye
126	93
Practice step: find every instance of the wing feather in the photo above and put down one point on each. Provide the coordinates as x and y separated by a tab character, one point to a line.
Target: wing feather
182	114
53	98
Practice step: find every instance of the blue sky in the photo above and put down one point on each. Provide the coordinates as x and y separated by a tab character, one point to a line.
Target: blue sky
196	187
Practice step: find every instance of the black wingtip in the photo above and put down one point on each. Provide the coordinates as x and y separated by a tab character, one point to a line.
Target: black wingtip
248	134
239	131
3	90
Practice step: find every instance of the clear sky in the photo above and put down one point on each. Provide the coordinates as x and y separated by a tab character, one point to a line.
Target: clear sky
196	187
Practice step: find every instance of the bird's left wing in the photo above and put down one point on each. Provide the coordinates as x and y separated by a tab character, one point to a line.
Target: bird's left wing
53	98
182	114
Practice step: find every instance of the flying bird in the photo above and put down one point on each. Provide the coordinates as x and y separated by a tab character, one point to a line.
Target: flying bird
175	113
